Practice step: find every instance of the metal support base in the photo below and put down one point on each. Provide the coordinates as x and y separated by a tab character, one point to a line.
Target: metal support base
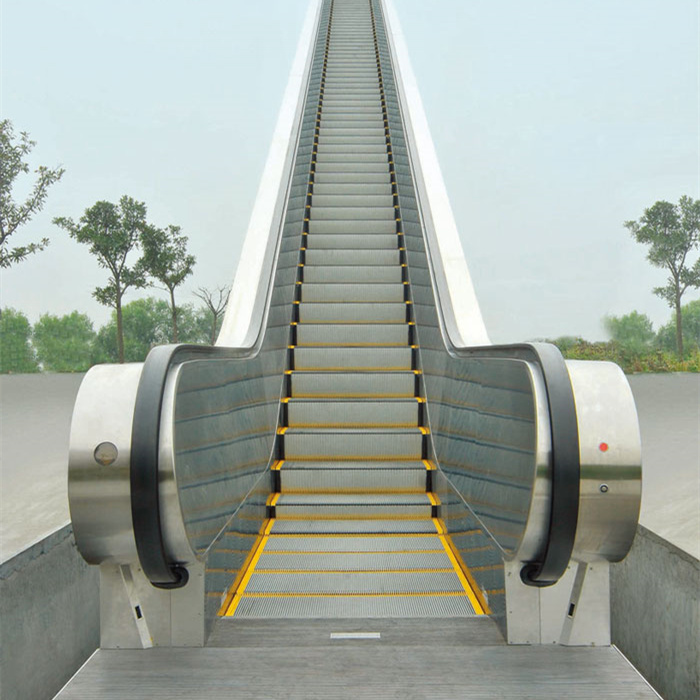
574	612
135	615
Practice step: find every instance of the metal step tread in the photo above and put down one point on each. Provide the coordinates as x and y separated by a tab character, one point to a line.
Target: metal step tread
309	606
358	543
397	432
341	526
354	561
386	582
353	499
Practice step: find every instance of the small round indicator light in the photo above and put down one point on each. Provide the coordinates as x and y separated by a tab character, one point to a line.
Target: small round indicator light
603	447
106	453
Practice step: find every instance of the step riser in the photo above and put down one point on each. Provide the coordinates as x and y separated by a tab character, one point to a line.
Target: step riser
353	358
351	214
335	274
362	227
349	312
356	446
372	481
360	292
298	512
335	334
339	241
360	258
339	385
378	189
352	413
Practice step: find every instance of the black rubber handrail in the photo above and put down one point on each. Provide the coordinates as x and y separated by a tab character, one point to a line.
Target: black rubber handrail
566	460
145	444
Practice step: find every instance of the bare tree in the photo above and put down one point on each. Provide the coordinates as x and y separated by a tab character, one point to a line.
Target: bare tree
215	300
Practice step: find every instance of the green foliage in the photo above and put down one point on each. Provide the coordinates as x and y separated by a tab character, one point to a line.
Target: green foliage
147	323
672	232
633	331
165	258
631	361
16	354
13	215
112	232
64	344
666	337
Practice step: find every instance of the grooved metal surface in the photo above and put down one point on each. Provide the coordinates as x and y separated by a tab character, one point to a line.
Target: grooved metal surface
355	606
354	499
356	582
355	561
341	527
370	465
358	311
352	544
365	412
413	658
336	478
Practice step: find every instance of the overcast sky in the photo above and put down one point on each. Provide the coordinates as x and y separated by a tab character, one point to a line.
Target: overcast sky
554	122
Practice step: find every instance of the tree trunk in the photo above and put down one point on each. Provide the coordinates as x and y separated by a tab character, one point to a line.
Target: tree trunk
679	327
173	310
120	329
214	319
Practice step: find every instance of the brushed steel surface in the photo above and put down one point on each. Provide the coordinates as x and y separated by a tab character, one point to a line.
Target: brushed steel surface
99	495
611	461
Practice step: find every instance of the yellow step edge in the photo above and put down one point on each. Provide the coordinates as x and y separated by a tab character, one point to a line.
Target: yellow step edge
233	597
476	597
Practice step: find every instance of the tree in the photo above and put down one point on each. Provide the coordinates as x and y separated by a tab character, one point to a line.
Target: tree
16	354
165	258
64	344
112	232
216	301
147	323
13	215
672	232
666	337
633	331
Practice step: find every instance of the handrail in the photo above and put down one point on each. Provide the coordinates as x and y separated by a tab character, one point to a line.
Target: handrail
565	463
145	442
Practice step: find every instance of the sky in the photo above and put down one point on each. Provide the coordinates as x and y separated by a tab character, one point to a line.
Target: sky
554	122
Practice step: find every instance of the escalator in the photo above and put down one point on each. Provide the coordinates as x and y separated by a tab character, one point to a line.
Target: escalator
353	447
353	527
